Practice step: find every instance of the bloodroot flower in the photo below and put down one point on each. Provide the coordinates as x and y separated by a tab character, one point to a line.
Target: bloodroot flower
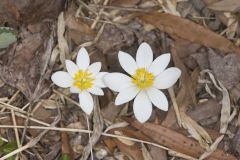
82	78
145	80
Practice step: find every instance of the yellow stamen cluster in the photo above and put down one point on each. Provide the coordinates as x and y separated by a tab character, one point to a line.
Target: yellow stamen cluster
83	80
142	78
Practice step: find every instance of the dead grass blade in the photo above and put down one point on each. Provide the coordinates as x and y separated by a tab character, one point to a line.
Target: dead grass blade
32	142
97	130
212	148
193	33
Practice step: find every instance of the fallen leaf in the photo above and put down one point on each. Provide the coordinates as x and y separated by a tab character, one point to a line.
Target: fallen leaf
205	110
176	141
25	64
146	154
193	32
226	69
226	105
225	6
134	151
196	131
124	141
62	43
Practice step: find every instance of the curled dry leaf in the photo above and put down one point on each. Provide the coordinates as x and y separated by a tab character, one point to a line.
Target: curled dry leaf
193	33
226	105
62	43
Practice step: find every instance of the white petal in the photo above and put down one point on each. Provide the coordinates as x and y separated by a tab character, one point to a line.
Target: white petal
142	107
74	89
158	98
86	102
159	64
144	55
126	95
94	68
96	91
127	62
62	79
99	80
167	78
72	68
117	81
83	60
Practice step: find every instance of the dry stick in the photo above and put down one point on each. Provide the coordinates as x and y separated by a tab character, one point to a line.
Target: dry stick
14	119
9	106
32	142
11	100
99	14
175	106
116	136
103	134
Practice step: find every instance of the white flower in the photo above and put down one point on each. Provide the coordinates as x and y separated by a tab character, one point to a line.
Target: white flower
147	77
82	78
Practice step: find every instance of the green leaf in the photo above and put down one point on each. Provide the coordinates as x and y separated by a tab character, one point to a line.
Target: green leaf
7	37
1	142
9	147
66	157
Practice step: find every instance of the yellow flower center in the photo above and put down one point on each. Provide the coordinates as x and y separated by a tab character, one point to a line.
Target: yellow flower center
83	80
143	78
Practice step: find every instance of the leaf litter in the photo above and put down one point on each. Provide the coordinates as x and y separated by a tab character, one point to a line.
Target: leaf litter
205	100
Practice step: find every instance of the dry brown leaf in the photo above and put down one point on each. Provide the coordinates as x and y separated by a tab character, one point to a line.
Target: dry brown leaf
225	5
226	69
124	141
212	148
177	141
196	131
193	32
169	6
62	43
205	110
226	105
125	3
25	64
133	151
50	104
116	125
146	154
158	153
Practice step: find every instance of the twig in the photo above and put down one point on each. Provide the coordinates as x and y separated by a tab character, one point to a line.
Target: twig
175	106
87	131
32	142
